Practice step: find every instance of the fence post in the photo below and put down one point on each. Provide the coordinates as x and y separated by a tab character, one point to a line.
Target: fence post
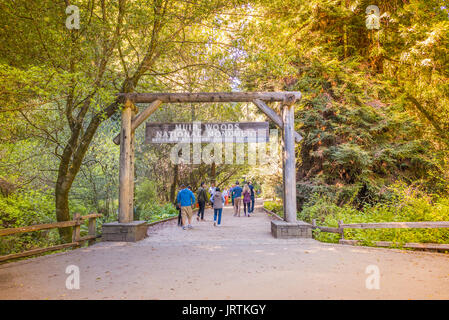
342	230
313	227
77	228
92	230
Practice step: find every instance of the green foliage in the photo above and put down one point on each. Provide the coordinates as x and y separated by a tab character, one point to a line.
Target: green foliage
406	204
29	207
25	209
374	107
147	202
374	103
154	212
146	192
274	206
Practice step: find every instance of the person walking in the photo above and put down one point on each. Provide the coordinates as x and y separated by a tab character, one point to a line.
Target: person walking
178	207
253	196
246	199
237	191
226	195
212	190
218	201
202	198
231	194
185	200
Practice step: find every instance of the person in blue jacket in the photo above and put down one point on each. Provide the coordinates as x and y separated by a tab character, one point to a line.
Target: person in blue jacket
237	191
186	199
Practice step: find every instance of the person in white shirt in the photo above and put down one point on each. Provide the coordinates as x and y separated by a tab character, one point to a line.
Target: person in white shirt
212	189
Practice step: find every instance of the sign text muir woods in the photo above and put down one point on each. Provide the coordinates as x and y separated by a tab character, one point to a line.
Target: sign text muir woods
197	132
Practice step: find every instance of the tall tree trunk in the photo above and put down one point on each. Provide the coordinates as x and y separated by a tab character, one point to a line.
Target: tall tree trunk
174	184
62	207
70	164
213	172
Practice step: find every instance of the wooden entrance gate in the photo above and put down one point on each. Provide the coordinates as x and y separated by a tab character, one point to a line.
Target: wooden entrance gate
131	120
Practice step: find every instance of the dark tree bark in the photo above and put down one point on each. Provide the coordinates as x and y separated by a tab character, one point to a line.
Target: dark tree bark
212	172
174	184
71	161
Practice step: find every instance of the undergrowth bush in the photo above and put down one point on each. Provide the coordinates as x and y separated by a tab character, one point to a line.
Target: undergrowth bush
25	209
408	204
274	206
154	212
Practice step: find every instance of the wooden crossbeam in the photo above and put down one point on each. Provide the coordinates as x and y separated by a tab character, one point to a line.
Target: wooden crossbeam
211	96
257	98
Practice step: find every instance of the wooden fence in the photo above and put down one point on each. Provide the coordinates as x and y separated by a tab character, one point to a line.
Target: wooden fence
77	240
388	225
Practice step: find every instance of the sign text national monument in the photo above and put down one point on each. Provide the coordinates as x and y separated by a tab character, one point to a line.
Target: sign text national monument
197	132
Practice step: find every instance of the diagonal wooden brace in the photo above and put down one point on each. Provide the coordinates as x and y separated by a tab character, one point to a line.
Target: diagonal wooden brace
140	118
274	116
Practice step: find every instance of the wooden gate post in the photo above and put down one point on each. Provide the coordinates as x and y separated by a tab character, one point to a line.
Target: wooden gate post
289	162
126	176
126	229
132	172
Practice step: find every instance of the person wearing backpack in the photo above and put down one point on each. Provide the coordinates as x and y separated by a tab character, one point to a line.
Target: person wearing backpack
202	198
218	200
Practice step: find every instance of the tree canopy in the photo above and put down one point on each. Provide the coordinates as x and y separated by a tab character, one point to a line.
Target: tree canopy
374	111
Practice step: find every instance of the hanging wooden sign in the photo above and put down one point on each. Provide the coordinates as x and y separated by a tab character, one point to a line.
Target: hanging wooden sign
198	132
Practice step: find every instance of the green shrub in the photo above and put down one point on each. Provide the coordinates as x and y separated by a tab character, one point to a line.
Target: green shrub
408	204
154	212
275	207
25	209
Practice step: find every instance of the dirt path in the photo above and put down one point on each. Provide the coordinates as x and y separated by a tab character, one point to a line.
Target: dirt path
239	260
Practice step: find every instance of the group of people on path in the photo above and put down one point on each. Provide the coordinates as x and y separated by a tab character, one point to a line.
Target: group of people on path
186	199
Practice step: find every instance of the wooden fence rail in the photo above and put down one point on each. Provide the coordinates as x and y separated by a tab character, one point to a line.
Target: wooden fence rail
77	240
387	225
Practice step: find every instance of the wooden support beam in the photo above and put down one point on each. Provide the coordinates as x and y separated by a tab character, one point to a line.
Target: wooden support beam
289	162
92	230
274	116
38	251
140	118
125	212
46	226
210	96
412	245
38	227
77	228
131	171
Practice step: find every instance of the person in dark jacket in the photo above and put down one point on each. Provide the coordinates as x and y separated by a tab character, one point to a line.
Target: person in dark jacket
178	207
253	196
202	198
